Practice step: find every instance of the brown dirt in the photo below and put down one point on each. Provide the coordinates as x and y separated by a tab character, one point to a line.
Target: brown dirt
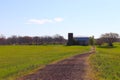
73	68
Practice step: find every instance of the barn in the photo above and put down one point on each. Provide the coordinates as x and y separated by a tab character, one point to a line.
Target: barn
84	41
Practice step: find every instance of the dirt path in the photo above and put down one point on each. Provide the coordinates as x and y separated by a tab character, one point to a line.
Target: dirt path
73	68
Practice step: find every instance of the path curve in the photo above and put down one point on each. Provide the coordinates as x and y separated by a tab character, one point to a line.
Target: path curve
73	68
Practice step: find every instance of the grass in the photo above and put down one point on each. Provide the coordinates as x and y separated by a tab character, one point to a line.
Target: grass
16	61
106	63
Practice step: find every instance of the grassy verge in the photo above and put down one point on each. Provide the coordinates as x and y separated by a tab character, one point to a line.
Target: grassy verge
106	63
19	60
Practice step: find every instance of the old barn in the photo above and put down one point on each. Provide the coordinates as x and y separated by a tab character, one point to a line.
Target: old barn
84	41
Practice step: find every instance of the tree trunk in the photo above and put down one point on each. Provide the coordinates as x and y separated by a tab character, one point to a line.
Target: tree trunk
110	44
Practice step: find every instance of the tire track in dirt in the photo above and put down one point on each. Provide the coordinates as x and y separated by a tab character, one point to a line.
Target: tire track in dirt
73	68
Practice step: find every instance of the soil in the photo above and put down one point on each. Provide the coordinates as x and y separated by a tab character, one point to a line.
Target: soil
73	68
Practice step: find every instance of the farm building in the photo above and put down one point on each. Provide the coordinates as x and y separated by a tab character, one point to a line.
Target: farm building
84	41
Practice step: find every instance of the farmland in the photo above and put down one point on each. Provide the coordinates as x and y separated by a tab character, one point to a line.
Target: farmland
16	61
20	60
106	63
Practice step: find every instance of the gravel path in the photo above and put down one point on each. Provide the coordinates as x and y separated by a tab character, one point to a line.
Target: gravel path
73	68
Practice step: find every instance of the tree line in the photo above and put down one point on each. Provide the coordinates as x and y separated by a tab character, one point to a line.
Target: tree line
108	38
36	40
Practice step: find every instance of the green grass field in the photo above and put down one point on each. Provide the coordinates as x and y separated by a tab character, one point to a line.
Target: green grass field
106	63
16	61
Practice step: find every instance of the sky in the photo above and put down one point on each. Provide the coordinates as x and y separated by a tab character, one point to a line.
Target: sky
50	17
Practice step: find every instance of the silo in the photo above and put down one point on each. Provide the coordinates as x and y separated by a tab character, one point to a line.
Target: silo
70	39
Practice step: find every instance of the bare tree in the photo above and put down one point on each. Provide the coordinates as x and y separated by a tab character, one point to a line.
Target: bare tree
12	40
36	40
2	40
99	41
109	38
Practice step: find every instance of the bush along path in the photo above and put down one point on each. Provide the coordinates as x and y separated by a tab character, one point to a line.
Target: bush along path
74	68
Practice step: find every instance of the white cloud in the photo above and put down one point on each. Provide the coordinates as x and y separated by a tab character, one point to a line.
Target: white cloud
44	21
58	19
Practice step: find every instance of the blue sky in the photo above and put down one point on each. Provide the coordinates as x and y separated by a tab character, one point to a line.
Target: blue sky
50	17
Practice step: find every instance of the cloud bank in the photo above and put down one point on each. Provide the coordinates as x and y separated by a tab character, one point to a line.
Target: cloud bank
44	21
